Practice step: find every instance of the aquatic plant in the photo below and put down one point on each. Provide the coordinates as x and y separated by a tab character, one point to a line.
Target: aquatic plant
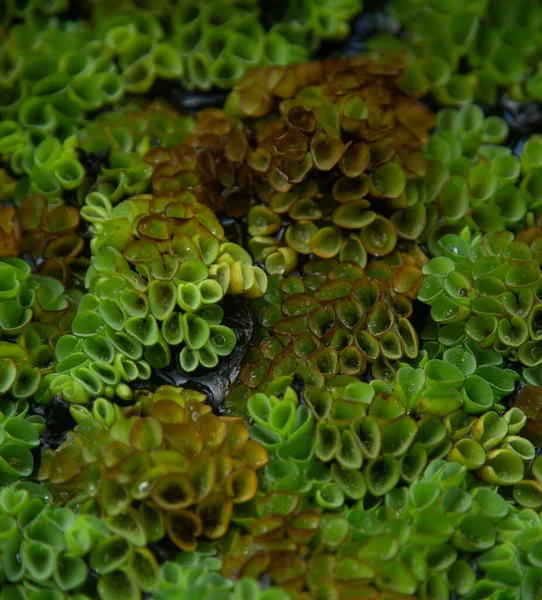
34	310
485	291
49	551
53	552
341	151
169	455
496	43
337	446
473	180
19	435
345	284
428	533
135	126
199	572
56	73
144	304
334	319
50	232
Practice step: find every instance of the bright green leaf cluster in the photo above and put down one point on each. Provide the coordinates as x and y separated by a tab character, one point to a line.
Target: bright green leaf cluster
199	573
45	547
19	435
486	290
473	180
48	552
339	444
447	379
132	320
33	310
318	223
444	534
56	72
134	126
463	388
25	297
497	41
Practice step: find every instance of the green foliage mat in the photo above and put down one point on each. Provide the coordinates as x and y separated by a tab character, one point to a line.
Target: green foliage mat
270	327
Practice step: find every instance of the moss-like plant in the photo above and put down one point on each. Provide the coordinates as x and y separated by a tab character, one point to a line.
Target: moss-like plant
483	37
19	435
199	572
194	246
135	126
34	310
340	444
428	532
49	232
333	455
48	552
473	180
25	297
336	318
485	291
133	318
323	128
187	465
57	72
467	388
